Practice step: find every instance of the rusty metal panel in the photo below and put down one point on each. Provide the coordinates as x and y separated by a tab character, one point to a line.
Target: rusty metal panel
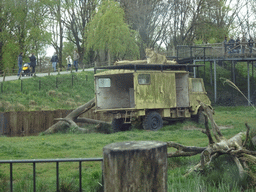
159	93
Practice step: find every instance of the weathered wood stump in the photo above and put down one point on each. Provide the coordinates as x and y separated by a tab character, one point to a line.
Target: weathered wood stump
135	166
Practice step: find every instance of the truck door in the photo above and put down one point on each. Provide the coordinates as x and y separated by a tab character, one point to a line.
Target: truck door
182	89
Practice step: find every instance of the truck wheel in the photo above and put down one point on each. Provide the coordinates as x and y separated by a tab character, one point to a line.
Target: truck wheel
153	121
117	124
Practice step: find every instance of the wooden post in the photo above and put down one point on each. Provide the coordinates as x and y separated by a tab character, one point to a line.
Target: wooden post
135	166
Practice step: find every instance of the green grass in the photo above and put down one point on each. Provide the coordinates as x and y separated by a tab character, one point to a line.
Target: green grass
91	145
47	93
66	96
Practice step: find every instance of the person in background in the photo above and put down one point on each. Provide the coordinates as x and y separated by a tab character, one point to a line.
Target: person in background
237	47
231	44
20	63
32	63
225	44
69	62
54	61
250	44
76	58
243	44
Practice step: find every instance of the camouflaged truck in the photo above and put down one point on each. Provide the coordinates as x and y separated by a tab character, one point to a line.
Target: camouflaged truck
149	94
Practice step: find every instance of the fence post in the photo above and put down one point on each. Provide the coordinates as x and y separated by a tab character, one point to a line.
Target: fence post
11	188
4	77
135	166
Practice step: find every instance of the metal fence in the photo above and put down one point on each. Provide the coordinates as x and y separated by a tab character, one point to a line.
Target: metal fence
57	161
42	84
44	69
212	51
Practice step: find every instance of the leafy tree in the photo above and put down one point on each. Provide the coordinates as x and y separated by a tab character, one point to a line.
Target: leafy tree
68	49
22	30
108	31
55	20
212	24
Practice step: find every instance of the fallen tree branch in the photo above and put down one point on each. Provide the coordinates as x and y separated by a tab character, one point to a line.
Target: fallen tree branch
181	154
216	130
234	147
70	119
92	121
207	130
247	134
185	148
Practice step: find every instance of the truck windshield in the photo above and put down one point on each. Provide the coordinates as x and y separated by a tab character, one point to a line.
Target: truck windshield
144	79
197	85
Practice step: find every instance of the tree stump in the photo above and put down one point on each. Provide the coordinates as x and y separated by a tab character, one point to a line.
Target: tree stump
135	166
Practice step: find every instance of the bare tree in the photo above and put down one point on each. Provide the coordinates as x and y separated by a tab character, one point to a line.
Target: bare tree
239	148
56	26
148	18
77	15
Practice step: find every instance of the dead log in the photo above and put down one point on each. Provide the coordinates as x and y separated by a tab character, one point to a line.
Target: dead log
72	118
234	147
91	121
184	150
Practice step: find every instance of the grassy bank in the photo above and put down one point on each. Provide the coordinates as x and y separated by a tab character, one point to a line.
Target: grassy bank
231	119
47	93
57	92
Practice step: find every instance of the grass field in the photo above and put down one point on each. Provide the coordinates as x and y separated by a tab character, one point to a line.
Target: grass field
59	93
231	119
47	93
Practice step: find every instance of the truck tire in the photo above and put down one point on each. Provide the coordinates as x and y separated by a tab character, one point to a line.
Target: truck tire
153	121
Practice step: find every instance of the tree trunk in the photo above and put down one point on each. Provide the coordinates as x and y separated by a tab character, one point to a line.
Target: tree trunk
70	119
235	147
135	166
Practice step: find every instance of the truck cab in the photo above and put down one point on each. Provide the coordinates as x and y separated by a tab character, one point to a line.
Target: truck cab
149	94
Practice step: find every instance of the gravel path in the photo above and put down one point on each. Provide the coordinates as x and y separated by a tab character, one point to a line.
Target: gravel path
15	77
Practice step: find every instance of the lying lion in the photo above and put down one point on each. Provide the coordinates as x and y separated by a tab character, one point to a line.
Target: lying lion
152	58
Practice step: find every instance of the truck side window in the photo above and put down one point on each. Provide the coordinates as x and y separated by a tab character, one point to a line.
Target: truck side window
104	82
144	79
197	85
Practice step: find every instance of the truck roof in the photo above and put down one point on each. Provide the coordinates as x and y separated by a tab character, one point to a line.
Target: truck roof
152	67
125	71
